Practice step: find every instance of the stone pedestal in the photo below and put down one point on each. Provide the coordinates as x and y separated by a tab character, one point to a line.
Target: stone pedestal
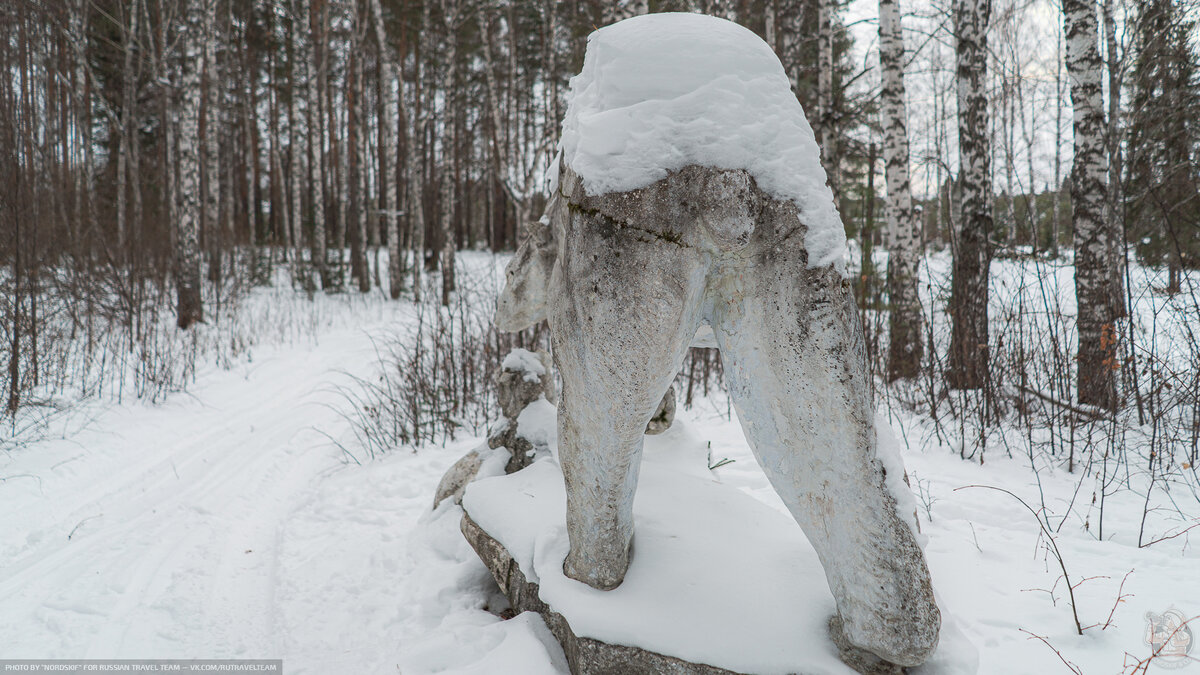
585	655
718	583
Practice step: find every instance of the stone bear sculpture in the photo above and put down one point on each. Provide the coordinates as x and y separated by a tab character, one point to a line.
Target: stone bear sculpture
631	262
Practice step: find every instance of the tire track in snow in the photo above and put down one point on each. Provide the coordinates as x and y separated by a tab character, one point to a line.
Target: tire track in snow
183	558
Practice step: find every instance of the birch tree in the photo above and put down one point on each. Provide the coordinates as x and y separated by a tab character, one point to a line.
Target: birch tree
1056	218
296	165
189	309
128	103
355	157
387	152
416	173
517	168
825	93
904	325
211	147
316	133
972	241
1093	276
450	13
169	170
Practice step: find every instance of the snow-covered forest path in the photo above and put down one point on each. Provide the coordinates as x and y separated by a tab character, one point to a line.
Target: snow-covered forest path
227	523
158	530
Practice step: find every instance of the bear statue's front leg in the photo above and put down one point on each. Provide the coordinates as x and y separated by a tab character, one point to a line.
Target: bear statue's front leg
622	314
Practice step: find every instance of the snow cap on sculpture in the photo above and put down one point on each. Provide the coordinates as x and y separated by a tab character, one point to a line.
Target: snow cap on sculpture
661	92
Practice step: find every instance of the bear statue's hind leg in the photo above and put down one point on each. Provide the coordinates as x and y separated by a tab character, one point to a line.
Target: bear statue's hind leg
620	325
794	359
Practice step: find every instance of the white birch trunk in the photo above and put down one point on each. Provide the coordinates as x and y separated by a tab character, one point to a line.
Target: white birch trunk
904	250
187	248
387	164
416	204
296	166
499	149
829	153
135	170
212	178
316	134
972	251
449	123
1007	125
1058	108
1093	275
169	168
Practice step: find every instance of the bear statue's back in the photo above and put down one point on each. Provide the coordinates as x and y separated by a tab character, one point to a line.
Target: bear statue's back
722	213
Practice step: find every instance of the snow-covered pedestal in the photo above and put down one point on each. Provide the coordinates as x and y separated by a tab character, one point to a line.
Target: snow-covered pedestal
719	581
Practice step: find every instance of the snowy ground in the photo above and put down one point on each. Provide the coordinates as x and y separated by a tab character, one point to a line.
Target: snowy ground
225	523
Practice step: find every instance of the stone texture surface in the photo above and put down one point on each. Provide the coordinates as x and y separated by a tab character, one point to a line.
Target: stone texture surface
523	451
859	659
585	655
523	300
634	277
455	480
517	388
522	303
664	415
637	274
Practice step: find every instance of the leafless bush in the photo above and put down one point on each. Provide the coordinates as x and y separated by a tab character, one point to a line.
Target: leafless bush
113	337
437	377
1028	407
